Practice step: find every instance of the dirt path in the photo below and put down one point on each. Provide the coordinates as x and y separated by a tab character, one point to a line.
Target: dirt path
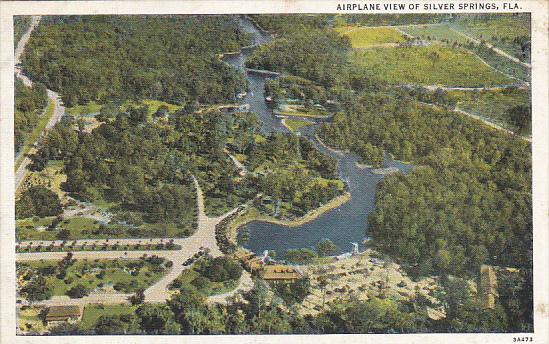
497	50
240	166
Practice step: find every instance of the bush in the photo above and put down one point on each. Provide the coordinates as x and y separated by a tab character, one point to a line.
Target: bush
78	291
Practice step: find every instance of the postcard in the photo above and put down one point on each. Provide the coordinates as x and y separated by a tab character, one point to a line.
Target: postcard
267	171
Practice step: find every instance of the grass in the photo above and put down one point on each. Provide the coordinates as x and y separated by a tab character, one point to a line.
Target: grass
92	313
35	133
364	37
491	104
498	30
119	272
431	65
79	110
445	33
29	320
213	288
295	124
153	106
440	32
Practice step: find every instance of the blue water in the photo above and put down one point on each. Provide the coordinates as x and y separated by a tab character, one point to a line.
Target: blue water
343	225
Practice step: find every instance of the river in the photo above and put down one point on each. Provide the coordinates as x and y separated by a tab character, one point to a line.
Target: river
343	225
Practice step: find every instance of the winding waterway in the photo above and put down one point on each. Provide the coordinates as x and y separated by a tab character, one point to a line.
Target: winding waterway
343	225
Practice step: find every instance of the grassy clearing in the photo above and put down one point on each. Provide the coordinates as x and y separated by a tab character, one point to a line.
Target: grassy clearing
35	133
29	320
153	106
92	313
363	37
430	65
295	124
298	110
440	32
79	110
212	288
124	275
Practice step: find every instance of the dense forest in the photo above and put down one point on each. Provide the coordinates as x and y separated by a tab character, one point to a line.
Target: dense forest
100	58
310	53
29	104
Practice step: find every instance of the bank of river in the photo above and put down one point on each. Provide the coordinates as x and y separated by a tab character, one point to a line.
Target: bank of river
343	221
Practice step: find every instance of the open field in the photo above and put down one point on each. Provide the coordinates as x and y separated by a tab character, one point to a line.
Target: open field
120	275
431	65
450	35
506	32
295	124
440	32
364	37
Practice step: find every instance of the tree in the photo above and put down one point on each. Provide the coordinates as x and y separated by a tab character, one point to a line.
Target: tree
189	308
78	291
38	201
326	247
156	319
138	297
521	117
109	324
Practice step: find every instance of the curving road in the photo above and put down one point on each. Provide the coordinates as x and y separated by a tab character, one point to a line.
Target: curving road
58	110
204	237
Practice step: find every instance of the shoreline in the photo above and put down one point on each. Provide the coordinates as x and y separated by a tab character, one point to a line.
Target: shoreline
310	216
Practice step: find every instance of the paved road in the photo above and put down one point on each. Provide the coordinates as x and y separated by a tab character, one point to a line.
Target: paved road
58	111
204	237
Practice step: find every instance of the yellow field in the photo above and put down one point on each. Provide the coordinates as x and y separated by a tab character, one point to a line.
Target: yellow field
364	37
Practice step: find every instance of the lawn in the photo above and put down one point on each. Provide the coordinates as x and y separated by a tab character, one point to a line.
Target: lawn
93	312
212	288
364	37
122	275
492	105
35	133
430	65
296	124
87	109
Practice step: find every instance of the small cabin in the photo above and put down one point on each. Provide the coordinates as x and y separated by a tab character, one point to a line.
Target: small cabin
488	286
64	313
280	273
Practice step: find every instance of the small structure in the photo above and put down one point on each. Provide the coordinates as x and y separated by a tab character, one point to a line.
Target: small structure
488	286
280	273
63	313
